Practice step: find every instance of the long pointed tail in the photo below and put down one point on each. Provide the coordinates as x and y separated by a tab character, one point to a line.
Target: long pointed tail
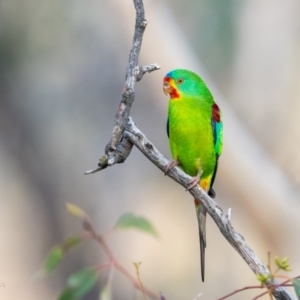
201	216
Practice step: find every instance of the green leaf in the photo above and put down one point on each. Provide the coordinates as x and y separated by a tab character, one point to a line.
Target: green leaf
67	294
56	254
82	282
106	292
282	264
277	261
79	284
71	241
130	220
262	278
296	284
75	210
54	257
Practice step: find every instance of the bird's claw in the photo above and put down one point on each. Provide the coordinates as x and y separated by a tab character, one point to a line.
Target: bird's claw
195	181
171	165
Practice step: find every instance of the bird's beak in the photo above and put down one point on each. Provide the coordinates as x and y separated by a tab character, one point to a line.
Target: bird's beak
167	88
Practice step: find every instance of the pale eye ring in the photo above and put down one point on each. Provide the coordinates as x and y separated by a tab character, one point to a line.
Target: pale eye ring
180	80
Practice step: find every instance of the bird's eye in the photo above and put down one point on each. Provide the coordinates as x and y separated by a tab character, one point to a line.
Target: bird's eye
180	80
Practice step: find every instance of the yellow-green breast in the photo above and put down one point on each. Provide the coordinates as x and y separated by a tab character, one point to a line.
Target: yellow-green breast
191	135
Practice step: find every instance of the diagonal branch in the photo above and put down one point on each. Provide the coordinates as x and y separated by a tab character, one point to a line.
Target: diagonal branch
125	134
222	220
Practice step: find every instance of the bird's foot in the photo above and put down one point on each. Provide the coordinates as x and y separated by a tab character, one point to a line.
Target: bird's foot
171	165
195	181
212	193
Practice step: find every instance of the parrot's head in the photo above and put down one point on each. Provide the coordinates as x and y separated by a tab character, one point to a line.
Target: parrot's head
181	82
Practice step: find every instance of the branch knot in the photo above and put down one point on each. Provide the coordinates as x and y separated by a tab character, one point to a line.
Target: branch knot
144	23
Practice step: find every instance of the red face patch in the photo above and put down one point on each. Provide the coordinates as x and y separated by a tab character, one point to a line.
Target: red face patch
172	90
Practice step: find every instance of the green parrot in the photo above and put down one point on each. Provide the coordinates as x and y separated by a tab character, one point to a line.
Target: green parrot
195	132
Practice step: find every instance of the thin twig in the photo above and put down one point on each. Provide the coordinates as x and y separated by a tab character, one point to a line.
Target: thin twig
114	261
240	290
137	266
284	283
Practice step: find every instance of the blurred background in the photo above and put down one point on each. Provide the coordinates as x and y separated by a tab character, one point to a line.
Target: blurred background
62	70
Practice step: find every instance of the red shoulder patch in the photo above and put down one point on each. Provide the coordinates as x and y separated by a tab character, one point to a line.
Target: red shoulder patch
216	113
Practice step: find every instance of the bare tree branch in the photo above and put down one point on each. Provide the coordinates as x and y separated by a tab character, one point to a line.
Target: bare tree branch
125	134
222	220
118	148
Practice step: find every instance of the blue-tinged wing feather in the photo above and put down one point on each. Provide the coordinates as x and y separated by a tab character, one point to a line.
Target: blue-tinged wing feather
218	136
217	127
